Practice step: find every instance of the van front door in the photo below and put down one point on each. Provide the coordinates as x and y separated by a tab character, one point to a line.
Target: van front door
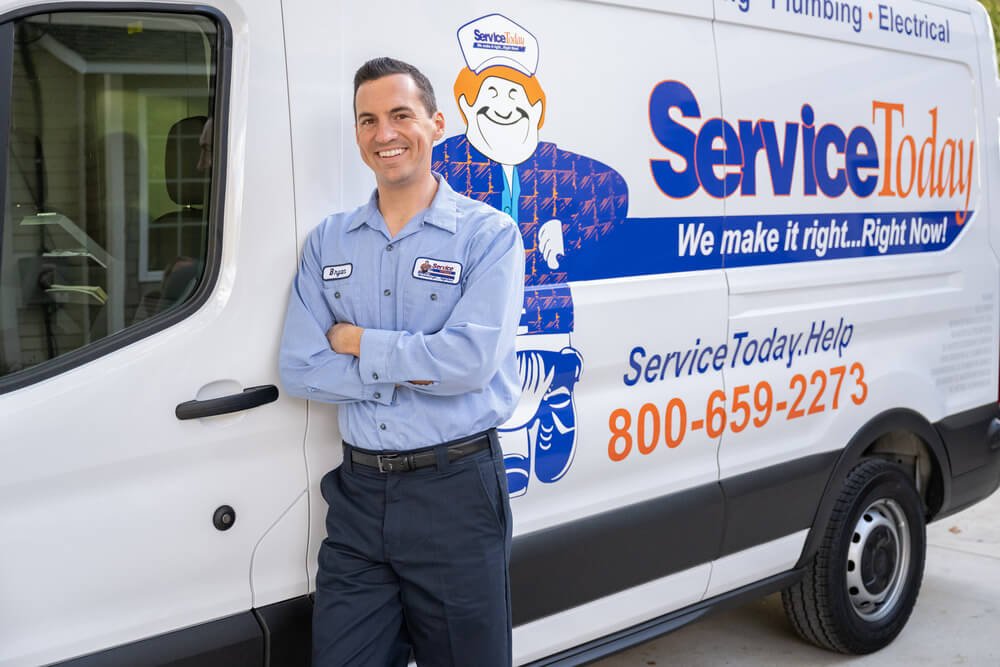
147	248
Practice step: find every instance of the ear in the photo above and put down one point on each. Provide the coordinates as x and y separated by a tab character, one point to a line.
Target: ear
438	125
466	108
537	108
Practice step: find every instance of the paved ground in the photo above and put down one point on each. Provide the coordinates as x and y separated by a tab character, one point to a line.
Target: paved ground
956	620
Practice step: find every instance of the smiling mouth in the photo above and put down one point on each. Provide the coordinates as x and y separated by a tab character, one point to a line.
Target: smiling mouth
516	116
392	152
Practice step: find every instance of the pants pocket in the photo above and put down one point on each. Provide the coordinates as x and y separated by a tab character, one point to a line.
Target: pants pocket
326	482
492	491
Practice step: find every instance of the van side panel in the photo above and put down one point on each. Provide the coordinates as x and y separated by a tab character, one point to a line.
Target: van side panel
882	290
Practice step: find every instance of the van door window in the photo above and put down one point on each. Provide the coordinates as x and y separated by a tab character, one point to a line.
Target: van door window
109	178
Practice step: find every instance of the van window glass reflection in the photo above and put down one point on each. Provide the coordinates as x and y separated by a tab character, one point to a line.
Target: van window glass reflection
109	172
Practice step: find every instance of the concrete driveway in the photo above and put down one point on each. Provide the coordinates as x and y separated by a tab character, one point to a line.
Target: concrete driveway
956	620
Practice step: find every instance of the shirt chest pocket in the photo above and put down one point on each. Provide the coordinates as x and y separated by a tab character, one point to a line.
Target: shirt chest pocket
345	300
427	305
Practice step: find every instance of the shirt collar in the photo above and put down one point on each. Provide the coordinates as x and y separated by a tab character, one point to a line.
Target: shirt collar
442	213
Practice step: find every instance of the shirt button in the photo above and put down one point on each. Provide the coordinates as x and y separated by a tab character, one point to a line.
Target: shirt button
381	427
378	394
434	297
506	209
388	292
336	295
389	247
374	376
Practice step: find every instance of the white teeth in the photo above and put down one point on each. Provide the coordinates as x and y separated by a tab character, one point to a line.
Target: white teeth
391	153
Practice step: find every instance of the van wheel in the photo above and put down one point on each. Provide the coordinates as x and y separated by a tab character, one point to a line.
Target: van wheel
858	591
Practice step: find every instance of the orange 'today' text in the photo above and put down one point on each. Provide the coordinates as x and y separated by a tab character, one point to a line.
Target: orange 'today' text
929	166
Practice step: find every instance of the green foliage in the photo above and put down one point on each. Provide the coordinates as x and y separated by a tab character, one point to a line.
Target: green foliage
993	7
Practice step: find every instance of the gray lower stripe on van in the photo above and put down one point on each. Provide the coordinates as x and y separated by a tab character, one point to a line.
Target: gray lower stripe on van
234	640
278	635
772	502
568	565
555	569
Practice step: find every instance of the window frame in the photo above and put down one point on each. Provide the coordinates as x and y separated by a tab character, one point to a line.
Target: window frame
213	255
6	83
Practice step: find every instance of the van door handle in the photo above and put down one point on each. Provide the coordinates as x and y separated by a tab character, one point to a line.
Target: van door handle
251	397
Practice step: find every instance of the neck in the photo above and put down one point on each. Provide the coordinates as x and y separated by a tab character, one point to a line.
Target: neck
398	204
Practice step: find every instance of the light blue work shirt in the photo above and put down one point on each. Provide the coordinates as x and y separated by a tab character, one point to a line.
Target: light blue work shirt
440	301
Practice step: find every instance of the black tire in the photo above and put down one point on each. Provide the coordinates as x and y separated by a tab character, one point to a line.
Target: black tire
859	589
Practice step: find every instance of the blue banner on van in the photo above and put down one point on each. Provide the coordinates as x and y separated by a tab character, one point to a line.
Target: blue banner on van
648	246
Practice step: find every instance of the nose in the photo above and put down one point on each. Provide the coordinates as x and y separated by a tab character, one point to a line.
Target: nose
503	107
385	132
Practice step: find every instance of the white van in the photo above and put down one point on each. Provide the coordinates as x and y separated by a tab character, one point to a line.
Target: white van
760	337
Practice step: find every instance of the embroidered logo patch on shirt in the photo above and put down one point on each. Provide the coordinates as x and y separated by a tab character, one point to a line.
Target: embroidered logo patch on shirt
337	271
436	270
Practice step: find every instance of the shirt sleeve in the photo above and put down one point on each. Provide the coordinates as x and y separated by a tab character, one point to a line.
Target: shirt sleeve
466	353
309	368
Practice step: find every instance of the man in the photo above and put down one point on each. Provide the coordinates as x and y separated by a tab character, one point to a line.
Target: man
560	200
404	311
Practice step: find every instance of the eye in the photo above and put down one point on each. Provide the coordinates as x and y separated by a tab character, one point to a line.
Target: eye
492	91
512	94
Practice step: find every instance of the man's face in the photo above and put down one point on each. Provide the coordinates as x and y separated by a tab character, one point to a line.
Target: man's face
395	132
503	126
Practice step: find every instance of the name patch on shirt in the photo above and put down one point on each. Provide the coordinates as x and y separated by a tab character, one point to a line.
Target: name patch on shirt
437	270
337	271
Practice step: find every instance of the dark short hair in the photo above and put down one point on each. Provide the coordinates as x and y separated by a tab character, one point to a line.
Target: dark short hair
376	68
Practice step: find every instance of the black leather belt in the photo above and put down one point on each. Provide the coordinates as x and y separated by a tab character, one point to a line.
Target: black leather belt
424	458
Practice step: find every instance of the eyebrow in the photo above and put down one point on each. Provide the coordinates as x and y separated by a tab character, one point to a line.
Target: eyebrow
369	114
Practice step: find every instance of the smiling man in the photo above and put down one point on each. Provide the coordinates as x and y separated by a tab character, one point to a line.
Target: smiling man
404	312
560	201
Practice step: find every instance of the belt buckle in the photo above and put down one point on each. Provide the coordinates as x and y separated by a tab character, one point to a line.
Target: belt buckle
390	460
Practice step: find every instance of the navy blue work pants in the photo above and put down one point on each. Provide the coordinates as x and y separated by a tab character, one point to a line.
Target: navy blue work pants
415	561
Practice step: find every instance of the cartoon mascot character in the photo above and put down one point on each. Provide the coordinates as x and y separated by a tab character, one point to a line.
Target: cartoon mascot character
560	201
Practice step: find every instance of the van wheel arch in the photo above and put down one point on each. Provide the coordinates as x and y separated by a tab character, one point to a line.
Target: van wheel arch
892	435
857	593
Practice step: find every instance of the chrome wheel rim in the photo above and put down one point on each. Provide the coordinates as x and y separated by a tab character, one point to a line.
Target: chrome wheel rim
878	560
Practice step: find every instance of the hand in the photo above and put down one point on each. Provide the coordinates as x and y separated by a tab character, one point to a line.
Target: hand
550	243
345	338
536	380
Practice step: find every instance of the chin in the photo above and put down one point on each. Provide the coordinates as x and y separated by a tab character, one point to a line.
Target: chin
505	146
393	178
